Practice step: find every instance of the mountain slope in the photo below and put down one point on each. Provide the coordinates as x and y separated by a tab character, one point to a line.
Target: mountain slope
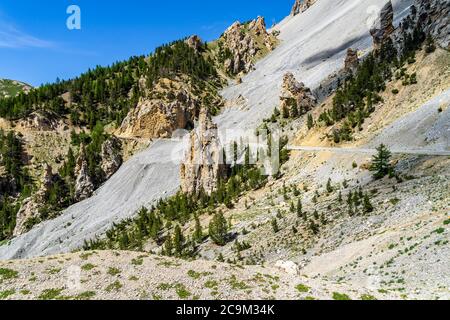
11	88
124	275
302	37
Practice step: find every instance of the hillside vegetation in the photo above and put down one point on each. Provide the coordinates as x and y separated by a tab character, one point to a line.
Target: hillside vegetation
11	88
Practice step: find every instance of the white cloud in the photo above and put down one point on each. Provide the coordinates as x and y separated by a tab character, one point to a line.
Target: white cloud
11	37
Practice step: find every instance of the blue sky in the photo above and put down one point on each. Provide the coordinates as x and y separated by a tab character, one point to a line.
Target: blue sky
36	47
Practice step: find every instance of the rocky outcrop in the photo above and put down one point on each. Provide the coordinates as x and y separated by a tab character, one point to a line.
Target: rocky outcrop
203	166
40	121
171	106
84	186
31	206
194	42
296	98
351	60
383	27
436	20
433	18
426	19
241	44
301	6
111	156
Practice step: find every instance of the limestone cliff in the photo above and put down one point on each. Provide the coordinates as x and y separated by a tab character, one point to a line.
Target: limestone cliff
171	105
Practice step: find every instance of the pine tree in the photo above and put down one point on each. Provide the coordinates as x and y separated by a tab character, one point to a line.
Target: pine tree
381	163
275	225
329	186
292	207
178	241
299	208
168	246
218	229
310	121
368	207
198	232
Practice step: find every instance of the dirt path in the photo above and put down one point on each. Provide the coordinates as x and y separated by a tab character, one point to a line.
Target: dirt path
423	152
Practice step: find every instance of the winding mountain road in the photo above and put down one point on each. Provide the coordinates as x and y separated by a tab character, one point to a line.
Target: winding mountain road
423	152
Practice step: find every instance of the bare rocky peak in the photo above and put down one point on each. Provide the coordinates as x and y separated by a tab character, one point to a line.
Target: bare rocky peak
301	6
203	166
245	41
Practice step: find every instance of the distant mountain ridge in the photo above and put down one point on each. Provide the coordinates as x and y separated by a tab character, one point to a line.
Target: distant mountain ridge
11	88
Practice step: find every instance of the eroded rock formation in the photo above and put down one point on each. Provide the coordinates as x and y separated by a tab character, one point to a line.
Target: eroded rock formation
111	156
301	6
84	186
383	27
203	166
172	105
432	17
351	60
31	206
241	44
194	42
296	98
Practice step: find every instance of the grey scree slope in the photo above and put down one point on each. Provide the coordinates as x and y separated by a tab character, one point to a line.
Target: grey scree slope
313	46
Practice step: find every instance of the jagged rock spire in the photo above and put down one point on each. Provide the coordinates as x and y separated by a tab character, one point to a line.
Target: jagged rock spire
351	60
84	187
384	26
203	166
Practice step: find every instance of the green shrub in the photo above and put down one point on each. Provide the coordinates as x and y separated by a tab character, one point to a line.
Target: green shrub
302	288
340	296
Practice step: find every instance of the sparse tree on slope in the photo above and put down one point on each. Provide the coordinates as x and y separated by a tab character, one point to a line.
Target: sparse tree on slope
381	165
218	229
